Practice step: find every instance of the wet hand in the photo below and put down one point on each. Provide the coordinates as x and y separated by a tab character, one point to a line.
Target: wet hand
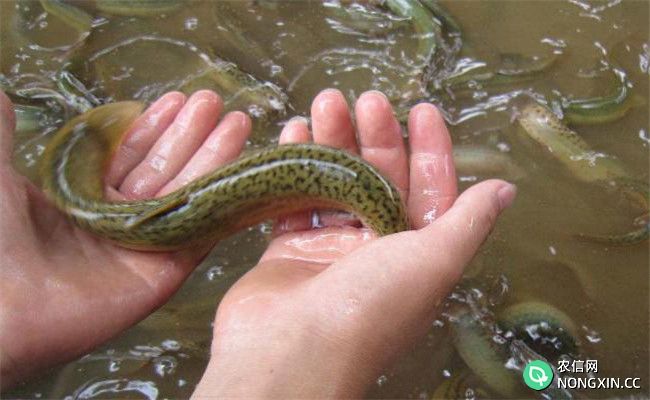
326	310
64	291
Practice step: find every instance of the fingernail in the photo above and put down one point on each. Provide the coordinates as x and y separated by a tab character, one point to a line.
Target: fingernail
374	93
239	118
326	99
331	91
298	119
506	196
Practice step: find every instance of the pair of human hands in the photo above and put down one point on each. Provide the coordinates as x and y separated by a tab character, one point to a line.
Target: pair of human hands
323	312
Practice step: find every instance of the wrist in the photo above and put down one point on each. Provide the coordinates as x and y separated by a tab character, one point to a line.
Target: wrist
290	365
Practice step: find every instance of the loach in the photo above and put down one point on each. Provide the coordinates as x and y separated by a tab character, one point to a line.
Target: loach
262	185
540	124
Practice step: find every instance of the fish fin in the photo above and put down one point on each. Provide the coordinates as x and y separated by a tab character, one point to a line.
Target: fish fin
156	211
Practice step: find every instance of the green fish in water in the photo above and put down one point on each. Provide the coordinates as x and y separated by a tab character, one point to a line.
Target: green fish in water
540	124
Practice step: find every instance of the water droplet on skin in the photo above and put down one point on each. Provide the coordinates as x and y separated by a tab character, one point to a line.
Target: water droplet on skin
446	373
351	306
382	380
430	216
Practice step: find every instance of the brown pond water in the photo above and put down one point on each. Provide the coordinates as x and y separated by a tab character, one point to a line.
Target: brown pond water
304	47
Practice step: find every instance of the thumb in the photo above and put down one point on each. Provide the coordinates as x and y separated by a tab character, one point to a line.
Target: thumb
7	126
432	259
460	231
398	282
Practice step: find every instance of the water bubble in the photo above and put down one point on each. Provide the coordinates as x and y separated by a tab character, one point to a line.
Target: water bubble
171	345
276	70
146	351
266	228
114	365
191	23
214	273
165	365
592	335
504	147
499	339
256	111
446	373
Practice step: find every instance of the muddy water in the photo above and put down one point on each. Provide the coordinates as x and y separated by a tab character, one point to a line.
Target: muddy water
304	47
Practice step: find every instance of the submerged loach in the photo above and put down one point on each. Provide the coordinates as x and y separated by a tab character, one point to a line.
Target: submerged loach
265	184
540	124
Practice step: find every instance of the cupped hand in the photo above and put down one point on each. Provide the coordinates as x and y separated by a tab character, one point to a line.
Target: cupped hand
326	310
64	291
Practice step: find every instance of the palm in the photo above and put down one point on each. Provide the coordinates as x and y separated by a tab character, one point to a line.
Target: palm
424	176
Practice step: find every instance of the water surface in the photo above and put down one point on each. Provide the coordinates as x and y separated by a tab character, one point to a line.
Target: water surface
304	47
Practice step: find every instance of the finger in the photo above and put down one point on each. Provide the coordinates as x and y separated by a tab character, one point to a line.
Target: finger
175	147
465	226
7	127
295	131
142	135
380	138
432	174
332	123
440	251
222	146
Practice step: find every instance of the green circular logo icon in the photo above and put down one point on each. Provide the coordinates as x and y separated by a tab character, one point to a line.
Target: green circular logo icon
538	375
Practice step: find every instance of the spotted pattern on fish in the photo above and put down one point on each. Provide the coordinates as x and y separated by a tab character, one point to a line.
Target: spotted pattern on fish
540	124
262	185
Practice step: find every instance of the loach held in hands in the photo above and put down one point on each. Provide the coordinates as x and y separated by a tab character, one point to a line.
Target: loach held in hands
265	184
